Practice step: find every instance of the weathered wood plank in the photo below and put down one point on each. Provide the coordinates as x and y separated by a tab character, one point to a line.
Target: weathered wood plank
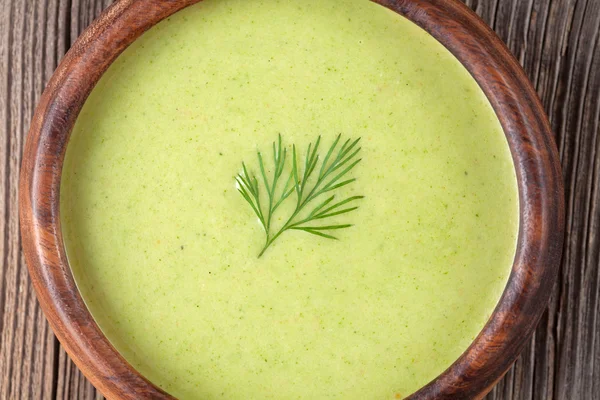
578	145
27	346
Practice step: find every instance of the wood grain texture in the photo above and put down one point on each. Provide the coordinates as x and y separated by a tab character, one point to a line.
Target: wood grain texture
557	43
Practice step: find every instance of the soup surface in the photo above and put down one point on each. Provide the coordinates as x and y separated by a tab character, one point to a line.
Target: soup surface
165	249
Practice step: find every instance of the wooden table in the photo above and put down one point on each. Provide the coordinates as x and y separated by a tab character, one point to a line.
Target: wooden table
557	42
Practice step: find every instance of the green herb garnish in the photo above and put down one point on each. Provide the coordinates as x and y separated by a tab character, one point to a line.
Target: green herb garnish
307	186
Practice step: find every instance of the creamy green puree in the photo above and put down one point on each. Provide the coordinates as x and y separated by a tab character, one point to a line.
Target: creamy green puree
164	249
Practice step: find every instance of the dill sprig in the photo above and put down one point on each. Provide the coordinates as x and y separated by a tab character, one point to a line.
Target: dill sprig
338	162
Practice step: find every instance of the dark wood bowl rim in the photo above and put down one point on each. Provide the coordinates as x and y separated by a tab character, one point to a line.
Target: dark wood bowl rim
450	22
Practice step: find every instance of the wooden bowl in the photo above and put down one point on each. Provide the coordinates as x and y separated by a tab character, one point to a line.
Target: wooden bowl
458	29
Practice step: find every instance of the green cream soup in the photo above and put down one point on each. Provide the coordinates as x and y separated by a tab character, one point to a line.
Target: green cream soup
164	248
